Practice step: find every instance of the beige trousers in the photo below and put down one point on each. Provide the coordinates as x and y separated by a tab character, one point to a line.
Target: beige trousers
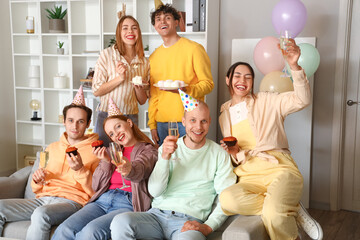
267	189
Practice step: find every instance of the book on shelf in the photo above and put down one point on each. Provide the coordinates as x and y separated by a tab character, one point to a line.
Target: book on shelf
202	15
196	16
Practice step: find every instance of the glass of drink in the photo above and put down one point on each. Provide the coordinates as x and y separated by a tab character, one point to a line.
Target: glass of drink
173	131
44	159
284	39
116	155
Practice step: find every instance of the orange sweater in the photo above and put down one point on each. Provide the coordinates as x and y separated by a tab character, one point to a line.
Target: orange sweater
62	180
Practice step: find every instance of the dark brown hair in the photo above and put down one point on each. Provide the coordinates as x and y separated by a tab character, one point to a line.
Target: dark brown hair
167	8
120	45
138	134
83	107
230	75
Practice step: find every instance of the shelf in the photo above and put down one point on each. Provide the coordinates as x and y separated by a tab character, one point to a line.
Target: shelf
49	43
26	44
52	66
19	11
82	43
21	67
29	133
23	98
85	17
45	21
81	67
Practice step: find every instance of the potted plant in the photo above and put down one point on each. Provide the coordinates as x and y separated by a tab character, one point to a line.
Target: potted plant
112	41
56	19
60	49
146	50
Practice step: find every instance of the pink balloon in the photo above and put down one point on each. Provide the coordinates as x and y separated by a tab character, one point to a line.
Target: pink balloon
289	15
267	55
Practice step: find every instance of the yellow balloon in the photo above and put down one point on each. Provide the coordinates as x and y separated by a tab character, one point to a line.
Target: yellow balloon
276	82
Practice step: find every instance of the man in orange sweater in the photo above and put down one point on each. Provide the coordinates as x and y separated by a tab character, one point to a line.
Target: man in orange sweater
65	185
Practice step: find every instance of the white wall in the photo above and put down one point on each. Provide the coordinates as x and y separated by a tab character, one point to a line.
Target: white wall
7	115
252	19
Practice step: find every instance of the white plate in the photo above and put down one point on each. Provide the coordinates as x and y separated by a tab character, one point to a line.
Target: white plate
143	84
170	88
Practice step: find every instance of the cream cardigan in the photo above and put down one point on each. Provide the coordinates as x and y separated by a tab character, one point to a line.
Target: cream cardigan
266	114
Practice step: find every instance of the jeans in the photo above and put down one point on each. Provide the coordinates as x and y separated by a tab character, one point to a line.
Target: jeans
163	131
153	224
44	212
99	129
93	220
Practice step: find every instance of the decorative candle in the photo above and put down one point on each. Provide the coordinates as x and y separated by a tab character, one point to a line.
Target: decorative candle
30	24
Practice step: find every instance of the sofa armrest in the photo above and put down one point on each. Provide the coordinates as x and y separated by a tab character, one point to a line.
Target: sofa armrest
245	228
14	185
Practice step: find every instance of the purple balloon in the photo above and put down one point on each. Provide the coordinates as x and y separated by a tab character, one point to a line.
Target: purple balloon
289	15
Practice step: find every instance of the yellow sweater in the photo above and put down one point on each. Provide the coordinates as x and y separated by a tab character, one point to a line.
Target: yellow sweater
62	180
187	61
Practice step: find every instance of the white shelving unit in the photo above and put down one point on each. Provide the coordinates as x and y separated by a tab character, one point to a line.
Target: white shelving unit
90	24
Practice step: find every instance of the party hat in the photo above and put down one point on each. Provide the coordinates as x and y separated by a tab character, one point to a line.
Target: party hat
188	101
113	109
158	3
79	97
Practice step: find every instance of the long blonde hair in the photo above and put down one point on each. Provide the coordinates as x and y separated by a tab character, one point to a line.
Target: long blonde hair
120	45
138	134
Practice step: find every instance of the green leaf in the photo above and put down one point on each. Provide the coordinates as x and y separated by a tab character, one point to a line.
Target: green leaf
56	12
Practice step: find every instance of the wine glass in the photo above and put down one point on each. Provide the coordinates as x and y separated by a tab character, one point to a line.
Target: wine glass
173	131
284	39
44	159
116	155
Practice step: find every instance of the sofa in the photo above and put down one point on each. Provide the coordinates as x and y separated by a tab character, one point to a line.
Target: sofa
18	186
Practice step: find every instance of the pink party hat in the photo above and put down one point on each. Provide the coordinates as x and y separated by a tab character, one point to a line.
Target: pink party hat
113	109
188	101
79	97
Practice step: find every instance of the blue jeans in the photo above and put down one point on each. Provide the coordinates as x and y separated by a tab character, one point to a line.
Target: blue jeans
93	220
44	212
163	130
99	129
153	224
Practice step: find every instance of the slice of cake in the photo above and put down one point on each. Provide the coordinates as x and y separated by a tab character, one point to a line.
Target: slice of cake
137	80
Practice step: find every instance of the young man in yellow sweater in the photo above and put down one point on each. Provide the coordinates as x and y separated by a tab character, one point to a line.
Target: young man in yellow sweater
177	58
65	185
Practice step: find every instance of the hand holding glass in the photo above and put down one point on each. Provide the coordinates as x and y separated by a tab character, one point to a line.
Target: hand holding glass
44	159
173	131
116	155
284	39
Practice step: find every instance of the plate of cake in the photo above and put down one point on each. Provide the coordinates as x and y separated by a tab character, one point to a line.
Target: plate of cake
170	84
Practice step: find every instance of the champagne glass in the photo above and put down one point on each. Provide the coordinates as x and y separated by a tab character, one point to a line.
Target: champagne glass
116	155
44	159
284	39
173	131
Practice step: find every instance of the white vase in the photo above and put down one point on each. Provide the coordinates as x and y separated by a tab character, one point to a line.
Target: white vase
34	71
60	51
60	82
34	82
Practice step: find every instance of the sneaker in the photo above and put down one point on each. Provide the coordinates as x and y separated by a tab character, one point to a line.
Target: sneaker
308	224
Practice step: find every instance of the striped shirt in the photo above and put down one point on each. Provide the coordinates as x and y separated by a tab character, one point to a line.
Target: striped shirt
123	95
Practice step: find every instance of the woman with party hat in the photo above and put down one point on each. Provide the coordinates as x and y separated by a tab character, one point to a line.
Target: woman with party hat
115	70
111	198
270	183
